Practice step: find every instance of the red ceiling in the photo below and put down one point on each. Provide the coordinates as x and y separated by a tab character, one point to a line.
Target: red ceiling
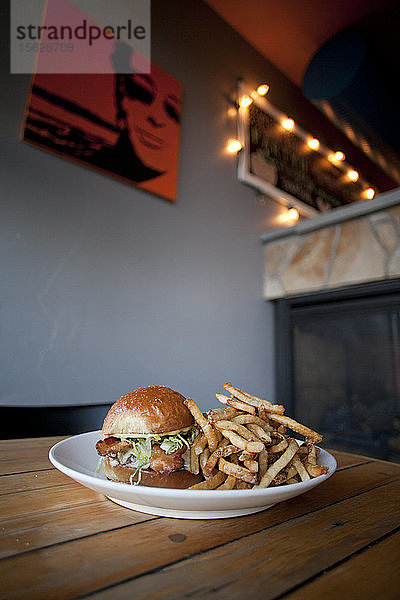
289	32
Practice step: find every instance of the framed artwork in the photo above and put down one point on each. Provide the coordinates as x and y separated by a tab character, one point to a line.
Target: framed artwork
280	164
125	125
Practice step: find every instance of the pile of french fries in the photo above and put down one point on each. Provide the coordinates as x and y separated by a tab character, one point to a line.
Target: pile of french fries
245	445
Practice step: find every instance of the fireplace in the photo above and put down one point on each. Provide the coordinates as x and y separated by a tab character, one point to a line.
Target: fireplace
338	365
335	283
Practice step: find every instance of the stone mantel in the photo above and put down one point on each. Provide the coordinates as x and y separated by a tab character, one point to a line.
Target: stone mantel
355	244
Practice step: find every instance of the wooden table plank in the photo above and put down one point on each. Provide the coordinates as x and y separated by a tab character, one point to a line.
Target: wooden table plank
55	530
106	559
381	559
24	455
35	502
345	459
273	561
61	520
36	480
33	532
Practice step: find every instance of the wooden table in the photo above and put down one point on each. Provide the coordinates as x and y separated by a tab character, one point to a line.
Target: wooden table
62	540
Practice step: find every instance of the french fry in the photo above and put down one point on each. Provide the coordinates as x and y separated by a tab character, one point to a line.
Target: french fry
210	484
263	462
237	471
242	406
251	465
291	472
236	404
295	426
253	400
200	442
228	484
303	451
304	475
217	414
278	465
291	480
194	462
203	422
246	456
203	458
253	419
222	398
278	447
260	432
252	432
263	414
240	429
242	443
224	449
242	485
311	454
316	470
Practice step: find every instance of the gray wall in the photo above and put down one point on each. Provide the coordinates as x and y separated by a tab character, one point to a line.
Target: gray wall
105	288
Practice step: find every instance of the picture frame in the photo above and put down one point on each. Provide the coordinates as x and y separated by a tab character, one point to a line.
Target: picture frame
281	165
125	126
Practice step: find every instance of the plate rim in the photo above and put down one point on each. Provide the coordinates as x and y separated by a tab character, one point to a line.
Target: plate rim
204	494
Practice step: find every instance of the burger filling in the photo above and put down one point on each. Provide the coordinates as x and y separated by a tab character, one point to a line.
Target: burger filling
163	454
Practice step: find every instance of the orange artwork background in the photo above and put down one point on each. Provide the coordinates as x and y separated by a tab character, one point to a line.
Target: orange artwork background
125	125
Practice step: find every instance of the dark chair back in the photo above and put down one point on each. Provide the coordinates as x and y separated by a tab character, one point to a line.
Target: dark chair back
37	421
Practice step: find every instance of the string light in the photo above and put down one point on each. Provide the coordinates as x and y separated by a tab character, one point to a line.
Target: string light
336	157
352	175
263	89
245	101
234	146
313	143
287	124
369	193
293	214
339	155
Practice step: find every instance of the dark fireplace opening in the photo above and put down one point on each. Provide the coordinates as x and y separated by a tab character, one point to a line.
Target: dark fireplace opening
338	366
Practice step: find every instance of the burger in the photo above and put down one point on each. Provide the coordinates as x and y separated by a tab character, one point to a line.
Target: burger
147	435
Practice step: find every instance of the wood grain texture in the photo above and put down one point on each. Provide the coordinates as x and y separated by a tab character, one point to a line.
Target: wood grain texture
39	531
271	562
35	502
28	454
62	540
28	528
106	559
35	480
345	459
382	559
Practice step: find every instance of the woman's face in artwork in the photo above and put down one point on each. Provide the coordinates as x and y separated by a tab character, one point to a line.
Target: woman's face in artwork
152	104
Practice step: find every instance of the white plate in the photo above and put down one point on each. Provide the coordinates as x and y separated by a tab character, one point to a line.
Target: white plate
77	457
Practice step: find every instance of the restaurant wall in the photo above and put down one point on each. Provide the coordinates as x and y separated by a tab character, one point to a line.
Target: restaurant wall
106	288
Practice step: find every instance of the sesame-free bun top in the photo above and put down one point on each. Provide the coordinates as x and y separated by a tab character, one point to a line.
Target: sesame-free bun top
147	411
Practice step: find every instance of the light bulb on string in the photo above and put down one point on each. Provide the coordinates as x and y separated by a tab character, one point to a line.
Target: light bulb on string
336	157
233	146
352	175
287	123
313	143
263	89
245	101
369	193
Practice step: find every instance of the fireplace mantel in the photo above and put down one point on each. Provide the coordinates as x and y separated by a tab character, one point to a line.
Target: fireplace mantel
355	244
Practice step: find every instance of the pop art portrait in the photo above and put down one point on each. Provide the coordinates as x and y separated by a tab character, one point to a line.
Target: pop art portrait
125	125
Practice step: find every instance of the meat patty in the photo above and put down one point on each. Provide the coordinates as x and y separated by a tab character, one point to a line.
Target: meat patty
160	461
111	445
165	463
